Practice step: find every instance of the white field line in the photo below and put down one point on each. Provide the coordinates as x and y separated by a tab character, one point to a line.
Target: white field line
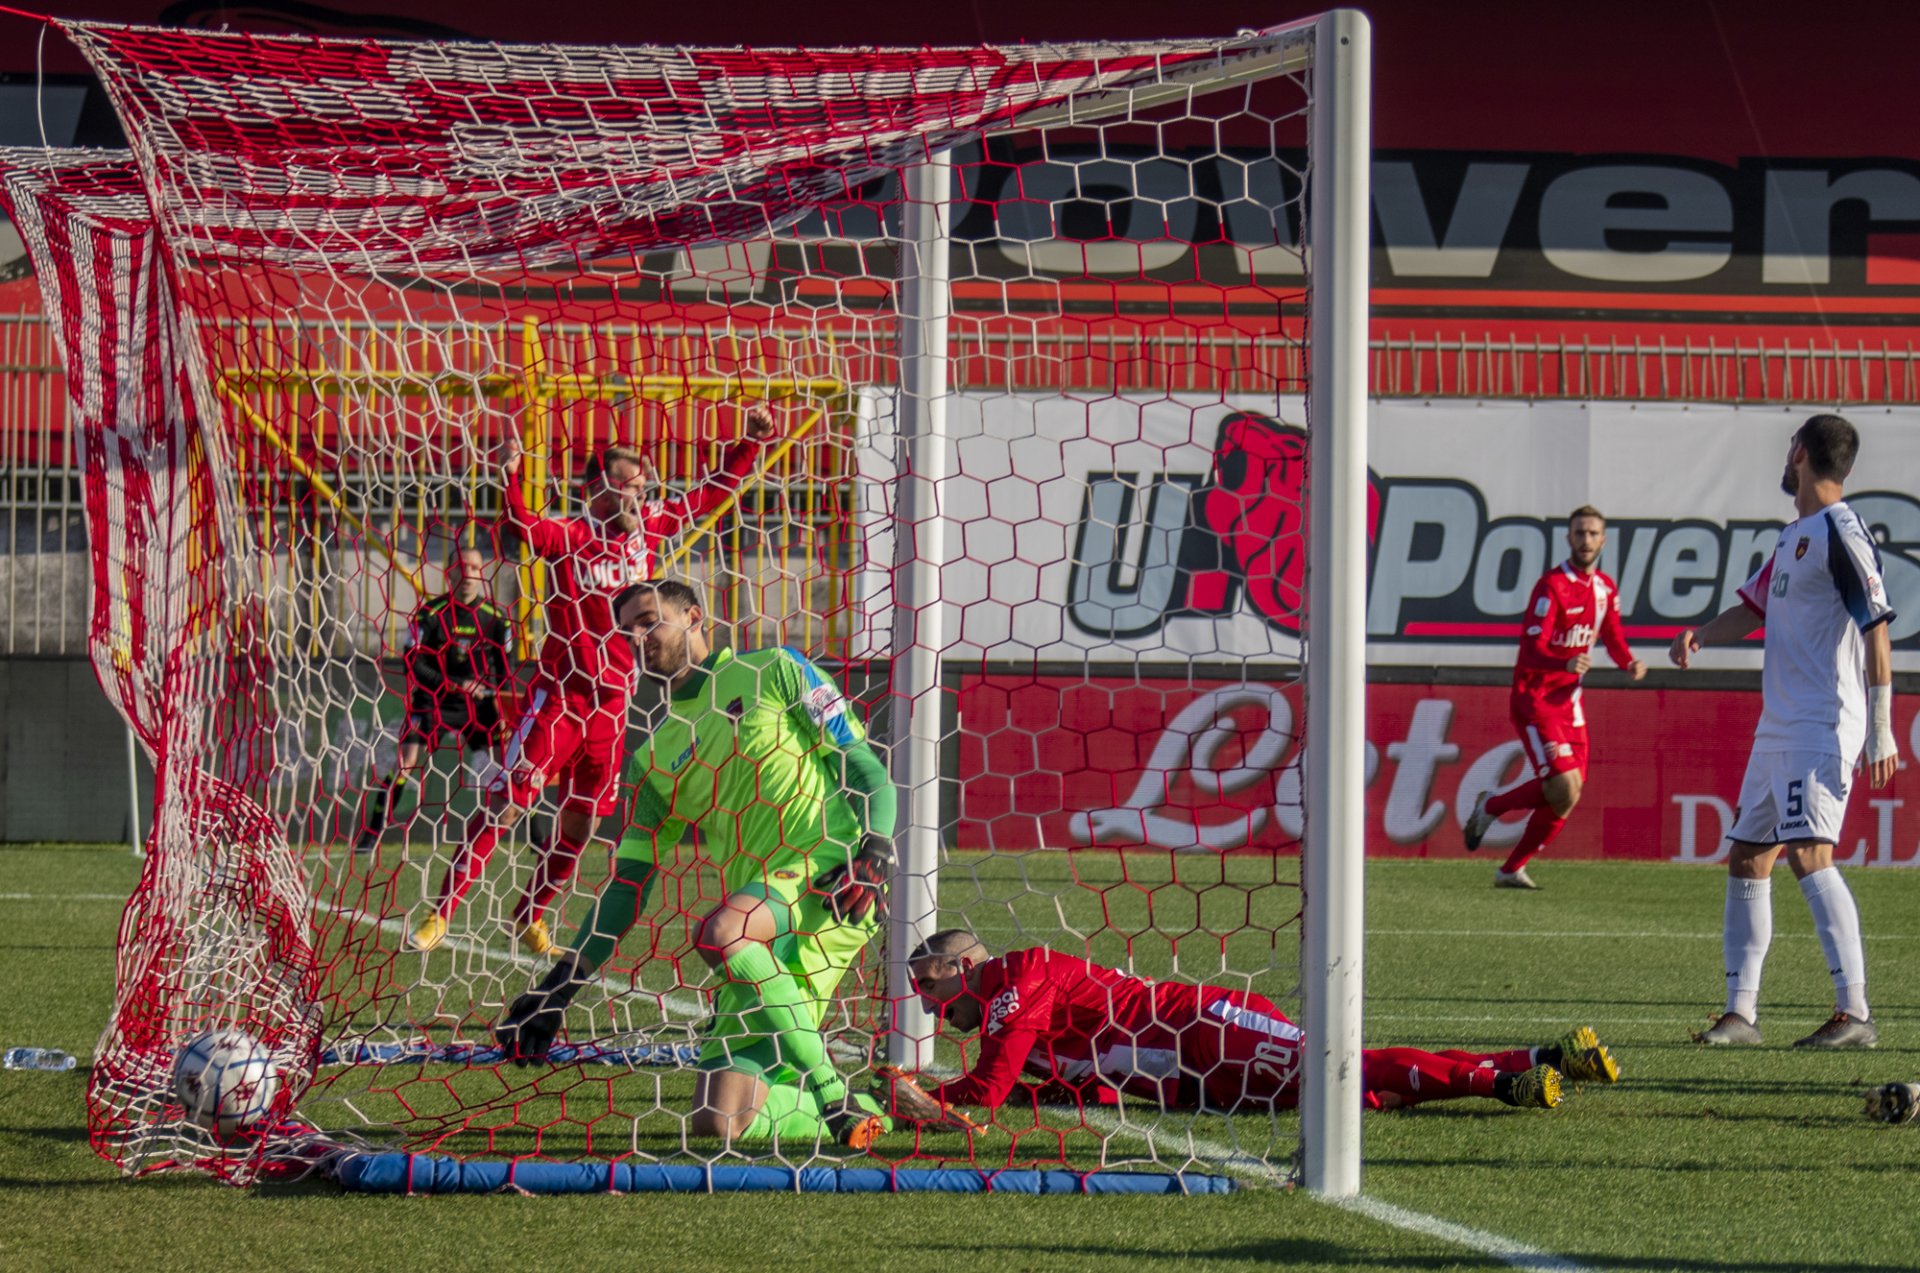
693	1007
990	930
1532	1020
1239	1162
1621	934
1557	934
1506	1250
64	897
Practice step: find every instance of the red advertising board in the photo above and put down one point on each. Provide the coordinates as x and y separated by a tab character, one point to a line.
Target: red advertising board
1212	766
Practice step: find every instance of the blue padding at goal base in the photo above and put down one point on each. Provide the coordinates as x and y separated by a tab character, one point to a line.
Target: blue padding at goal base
427	1173
477	1054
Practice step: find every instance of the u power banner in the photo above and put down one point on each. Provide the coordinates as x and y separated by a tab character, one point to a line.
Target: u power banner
1173	531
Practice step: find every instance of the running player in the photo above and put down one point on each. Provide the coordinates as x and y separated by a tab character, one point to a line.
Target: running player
1099	1033
758	752
456	663
574	721
1826	708
1572	604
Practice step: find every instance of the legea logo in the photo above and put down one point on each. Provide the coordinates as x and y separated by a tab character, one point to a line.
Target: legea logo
1154	547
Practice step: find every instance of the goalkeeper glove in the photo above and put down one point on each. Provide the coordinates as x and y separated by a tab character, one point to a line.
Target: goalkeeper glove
902	1093
858	888
527	1033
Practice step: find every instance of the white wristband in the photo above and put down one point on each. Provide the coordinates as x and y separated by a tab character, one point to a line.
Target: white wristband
1880	744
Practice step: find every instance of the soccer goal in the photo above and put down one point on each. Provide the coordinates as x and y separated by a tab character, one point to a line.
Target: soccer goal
1065	346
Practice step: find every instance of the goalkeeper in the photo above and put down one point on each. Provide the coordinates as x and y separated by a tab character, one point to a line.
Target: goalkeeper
759	752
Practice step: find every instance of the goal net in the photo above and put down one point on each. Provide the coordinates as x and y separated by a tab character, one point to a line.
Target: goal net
1033	326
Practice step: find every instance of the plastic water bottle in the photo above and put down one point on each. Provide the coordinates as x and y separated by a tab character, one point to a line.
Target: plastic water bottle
37	1059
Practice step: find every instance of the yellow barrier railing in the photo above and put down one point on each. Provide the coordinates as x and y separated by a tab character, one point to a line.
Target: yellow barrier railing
780	569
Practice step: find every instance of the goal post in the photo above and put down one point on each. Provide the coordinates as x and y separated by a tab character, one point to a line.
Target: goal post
920	617
1332	969
1333	774
1069	347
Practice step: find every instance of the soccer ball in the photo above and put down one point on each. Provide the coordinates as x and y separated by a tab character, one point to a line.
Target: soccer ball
226	1080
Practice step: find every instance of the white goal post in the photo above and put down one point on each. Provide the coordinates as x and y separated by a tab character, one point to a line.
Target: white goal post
1338	49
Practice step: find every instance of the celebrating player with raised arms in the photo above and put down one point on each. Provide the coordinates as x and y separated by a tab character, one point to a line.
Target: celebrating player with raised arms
457	668
1572	605
759	752
1098	1033
1826	708
572	726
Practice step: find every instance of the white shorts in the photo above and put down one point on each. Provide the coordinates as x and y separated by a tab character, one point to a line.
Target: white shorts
1792	795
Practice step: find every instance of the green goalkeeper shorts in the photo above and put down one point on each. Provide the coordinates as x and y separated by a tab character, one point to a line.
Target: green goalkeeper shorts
811	944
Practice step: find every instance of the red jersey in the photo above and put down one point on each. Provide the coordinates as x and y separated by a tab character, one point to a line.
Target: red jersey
592	562
1058	1016
1567	611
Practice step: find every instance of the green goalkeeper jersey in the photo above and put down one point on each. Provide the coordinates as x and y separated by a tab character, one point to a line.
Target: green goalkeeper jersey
754	751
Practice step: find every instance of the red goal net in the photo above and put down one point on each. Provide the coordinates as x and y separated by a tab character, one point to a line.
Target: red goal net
331	277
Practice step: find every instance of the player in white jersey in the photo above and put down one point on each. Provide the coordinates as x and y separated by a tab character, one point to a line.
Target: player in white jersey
1827	709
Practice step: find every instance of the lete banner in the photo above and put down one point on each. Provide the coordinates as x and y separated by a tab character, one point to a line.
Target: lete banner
1171	530
1212	766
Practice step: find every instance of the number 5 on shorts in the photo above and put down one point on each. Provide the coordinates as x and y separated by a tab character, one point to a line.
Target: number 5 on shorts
1796	798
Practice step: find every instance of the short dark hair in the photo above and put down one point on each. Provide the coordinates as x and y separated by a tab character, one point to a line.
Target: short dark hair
948	943
1585	510
459	550
600	461
1832	443
682	596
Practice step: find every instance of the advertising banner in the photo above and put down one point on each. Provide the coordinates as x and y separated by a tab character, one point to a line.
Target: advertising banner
1172	530
1213	766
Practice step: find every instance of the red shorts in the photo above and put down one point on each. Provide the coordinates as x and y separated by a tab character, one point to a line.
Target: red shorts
1242	1051
1555	738
570	738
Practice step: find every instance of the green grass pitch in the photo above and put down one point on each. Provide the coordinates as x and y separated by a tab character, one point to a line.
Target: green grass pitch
1697	1160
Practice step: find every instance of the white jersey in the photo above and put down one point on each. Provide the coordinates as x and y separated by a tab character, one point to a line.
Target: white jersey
1819	594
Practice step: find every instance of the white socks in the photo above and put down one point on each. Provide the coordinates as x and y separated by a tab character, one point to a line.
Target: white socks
1837	920
1749	931
1744	939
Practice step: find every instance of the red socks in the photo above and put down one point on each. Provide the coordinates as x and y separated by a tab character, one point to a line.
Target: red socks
1541	828
1415	1076
467	868
1505	1062
557	865
1528	795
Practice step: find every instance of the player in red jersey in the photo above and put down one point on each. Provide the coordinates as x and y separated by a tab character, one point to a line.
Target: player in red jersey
573	722
1090	1034
1571	606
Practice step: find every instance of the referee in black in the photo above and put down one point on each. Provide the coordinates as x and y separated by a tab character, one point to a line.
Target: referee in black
456	664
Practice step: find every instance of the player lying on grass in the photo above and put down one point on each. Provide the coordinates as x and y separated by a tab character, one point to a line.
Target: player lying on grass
758	752
1092	1030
